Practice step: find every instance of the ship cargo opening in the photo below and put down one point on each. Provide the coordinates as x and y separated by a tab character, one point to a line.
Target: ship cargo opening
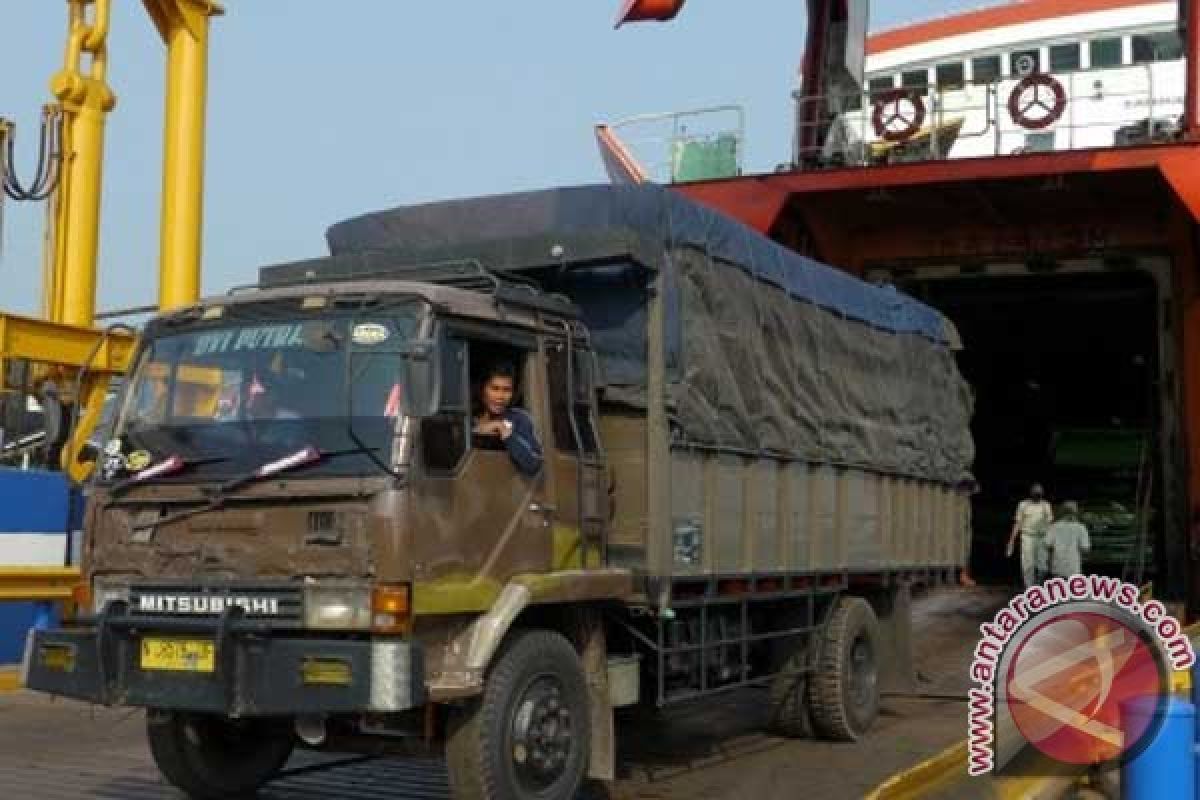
1070	392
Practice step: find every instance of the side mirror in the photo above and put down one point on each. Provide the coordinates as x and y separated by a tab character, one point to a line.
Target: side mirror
421	379
408	368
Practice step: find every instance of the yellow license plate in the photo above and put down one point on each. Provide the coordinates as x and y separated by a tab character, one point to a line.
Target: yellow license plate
179	655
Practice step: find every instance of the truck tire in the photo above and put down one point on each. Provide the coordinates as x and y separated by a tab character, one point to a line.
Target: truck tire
844	688
213	758
528	735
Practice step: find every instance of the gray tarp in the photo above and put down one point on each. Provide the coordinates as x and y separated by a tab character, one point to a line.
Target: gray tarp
768	352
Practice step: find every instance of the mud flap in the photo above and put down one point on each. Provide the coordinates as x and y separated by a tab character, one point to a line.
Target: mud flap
593	648
897	664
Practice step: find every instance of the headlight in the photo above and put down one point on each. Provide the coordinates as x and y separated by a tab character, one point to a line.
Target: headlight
340	607
103	594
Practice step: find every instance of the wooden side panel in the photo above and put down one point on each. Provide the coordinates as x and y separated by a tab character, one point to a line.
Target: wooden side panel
765	516
862	524
764	487
688	513
730	514
824	518
624	440
800	538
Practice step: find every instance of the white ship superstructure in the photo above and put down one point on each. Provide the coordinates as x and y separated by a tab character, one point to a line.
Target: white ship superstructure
1033	76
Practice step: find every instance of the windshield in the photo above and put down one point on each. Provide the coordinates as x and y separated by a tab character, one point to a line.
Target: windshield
226	396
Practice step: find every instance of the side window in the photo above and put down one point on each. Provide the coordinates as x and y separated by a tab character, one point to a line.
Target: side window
1105	52
985	69
880	85
951	76
585	390
1065	57
444	439
1150	47
915	79
497	379
570	401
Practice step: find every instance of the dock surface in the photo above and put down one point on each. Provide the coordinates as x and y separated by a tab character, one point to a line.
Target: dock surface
61	750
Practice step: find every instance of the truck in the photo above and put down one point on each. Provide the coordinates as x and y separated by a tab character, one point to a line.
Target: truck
295	537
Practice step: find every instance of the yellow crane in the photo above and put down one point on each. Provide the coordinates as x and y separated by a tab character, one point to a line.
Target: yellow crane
64	347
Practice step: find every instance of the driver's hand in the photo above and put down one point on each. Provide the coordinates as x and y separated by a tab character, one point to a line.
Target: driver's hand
490	428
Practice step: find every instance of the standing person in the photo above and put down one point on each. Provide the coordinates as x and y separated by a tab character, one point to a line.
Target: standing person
1067	543
1033	519
512	425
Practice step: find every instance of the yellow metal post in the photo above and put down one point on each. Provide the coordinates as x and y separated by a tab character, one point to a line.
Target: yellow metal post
184	27
86	100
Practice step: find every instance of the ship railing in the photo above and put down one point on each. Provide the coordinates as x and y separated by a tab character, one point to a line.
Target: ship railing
682	146
1041	112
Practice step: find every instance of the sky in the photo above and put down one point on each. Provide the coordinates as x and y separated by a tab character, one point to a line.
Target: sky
317	114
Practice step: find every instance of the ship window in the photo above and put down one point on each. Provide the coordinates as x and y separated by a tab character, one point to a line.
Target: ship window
1105	52
1165	46
915	79
1026	62
1065	57
951	76
880	85
986	69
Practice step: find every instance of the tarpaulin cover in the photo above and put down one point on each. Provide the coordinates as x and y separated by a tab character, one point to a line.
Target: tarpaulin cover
768	351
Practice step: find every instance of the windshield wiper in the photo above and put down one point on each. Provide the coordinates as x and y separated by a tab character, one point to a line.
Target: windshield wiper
171	465
301	458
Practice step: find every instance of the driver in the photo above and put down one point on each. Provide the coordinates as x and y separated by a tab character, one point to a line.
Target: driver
513	425
264	398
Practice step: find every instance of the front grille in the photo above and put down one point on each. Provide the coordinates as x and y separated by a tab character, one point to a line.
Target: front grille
282	604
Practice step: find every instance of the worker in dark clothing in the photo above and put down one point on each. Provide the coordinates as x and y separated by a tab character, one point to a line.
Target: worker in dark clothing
513	425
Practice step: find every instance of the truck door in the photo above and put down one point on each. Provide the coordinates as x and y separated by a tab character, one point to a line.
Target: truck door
579	480
477	517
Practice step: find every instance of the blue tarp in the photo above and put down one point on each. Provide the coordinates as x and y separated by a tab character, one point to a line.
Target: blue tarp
766	351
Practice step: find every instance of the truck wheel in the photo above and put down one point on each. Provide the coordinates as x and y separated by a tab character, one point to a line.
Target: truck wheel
528	735
213	758
844	689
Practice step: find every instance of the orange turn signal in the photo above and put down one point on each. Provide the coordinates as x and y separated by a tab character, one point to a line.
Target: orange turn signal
639	10
390	607
81	599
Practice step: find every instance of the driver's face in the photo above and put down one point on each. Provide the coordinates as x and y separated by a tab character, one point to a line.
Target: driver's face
497	394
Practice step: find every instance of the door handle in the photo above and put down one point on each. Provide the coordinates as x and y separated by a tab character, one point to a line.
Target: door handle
538	508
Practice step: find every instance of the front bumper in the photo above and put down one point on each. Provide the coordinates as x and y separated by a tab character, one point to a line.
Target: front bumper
258	671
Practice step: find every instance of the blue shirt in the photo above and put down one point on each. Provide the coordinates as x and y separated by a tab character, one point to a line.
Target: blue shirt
522	444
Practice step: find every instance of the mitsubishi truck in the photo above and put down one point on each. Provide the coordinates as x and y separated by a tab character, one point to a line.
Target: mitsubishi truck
297	537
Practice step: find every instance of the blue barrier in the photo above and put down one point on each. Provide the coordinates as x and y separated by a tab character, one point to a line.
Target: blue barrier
1165	770
39	510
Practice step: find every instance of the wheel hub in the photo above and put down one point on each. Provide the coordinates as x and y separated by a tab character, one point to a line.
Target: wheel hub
862	675
541	734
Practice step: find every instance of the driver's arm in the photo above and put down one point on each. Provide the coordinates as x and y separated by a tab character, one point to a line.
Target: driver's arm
522	443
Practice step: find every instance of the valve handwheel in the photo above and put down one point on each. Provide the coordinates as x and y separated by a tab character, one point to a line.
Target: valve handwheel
1037	101
898	115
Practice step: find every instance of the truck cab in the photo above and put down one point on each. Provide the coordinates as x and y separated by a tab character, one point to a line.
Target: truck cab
296	530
